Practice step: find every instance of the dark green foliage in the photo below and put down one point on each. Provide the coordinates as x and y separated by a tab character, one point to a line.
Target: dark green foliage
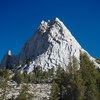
89	76
55	91
4	78
38	73
41	76
79	87
98	82
74	84
37	76
22	63
23	77
59	74
51	72
78	84
24	95
5	73
61	81
18	77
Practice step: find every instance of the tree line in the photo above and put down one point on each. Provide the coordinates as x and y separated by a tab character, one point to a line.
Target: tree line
79	81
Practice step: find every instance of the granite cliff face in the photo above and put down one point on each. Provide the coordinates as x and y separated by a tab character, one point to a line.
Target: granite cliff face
52	45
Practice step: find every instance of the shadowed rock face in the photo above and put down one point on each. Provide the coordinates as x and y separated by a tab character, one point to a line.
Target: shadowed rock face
6	62
9	60
51	45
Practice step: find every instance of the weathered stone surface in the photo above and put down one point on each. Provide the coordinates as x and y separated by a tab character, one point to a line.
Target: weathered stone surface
51	45
37	91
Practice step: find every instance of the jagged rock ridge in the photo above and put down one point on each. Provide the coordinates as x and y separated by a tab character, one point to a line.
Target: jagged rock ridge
52	45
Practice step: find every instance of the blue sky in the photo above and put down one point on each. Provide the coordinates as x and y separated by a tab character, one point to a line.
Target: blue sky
20	18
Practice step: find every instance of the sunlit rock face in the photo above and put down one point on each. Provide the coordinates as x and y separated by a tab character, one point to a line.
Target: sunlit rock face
52	45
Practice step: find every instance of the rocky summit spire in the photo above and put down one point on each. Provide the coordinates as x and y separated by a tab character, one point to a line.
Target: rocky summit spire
6	59
52	45
9	53
43	26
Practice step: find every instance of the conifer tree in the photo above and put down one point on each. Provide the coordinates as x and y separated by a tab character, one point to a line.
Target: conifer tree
79	86
54	91
89	76
38	73
74	83
61	81
51	72
19	77
23	94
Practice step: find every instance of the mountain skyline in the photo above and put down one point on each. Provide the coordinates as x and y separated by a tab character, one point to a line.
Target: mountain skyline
51	45
19	19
